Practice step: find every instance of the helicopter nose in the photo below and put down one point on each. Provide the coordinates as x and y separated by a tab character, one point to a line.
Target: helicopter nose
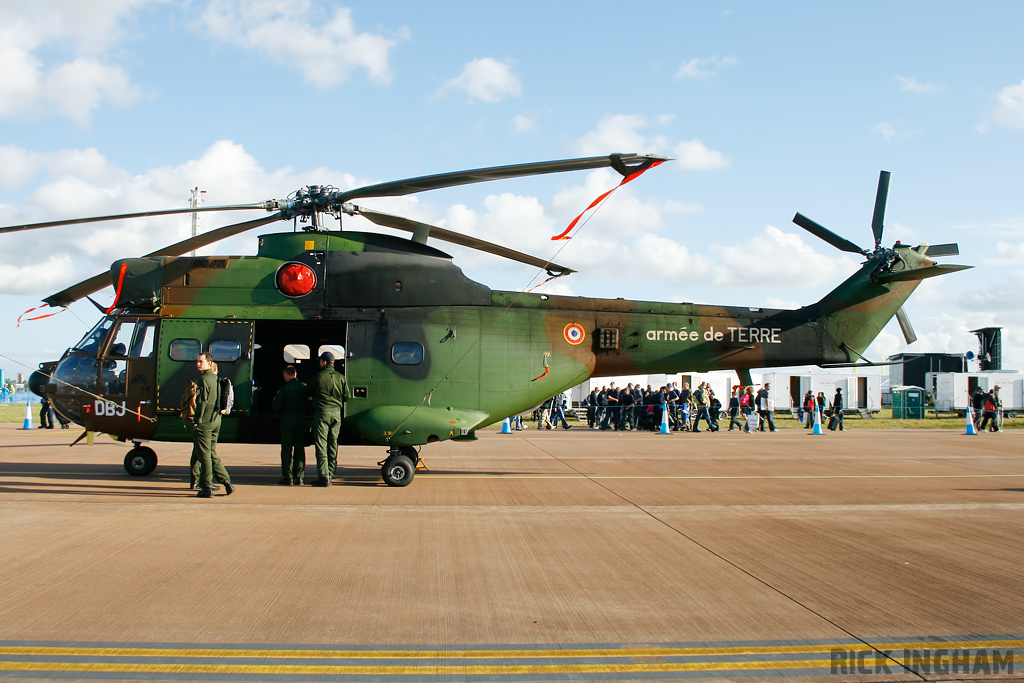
38	380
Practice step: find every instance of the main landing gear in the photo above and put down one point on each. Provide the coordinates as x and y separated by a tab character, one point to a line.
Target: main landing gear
140	461
399	467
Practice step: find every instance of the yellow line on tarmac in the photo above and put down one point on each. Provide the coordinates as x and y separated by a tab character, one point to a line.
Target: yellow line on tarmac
429	669
58	651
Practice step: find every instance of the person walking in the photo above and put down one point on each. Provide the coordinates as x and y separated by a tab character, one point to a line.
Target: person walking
747	407
558	411
329	392
810	409
734	409
206	429
764	408
836	421
991	407
291	401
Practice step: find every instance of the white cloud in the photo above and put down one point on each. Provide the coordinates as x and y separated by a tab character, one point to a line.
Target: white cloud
913	85
28	279
704	69
893	131
31	84
486	79
83	183
1012	252
886	130
622	133
300	34
617	133
783	259
1009	109
524	123
694	155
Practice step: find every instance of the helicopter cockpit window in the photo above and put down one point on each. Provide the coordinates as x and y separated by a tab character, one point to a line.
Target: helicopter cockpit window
112	379
225	350
122	339
185	349
145	339
93	342
407	353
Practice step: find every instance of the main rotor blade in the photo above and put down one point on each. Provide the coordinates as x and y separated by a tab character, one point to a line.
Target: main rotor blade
98	282
624	163
390	221
951	249
142	214
824	233
904	320
880	197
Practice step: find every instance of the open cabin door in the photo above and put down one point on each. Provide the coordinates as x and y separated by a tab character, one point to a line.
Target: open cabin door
299	343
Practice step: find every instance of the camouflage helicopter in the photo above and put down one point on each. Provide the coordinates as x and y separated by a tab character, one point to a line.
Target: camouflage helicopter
429	354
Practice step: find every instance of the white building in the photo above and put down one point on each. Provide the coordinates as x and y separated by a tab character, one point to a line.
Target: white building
951	391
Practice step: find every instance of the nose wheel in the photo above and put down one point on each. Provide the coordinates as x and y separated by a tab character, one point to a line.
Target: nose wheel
140	461
399	468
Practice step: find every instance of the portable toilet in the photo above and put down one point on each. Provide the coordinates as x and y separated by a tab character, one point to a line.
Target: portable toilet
908	403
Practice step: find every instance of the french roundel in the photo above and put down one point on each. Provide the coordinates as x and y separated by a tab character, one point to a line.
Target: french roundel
574	333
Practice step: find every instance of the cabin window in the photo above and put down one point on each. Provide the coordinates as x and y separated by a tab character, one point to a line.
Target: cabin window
145	339
225	350
185	349
296	353
407	353
335	350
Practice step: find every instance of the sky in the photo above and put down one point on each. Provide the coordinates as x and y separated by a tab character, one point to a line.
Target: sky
768	109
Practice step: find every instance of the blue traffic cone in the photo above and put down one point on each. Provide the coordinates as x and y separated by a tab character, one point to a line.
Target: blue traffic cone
971	431
664	421
28	416
506	428
817	423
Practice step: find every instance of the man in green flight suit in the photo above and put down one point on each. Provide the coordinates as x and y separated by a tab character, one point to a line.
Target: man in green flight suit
206	428
329	391
291	401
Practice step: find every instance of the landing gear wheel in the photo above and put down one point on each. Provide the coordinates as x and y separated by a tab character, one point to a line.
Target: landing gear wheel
398	470
140	461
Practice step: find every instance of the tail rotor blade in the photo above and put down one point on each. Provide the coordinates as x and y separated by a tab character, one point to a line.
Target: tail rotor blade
908	330
879	217
951	249
824	233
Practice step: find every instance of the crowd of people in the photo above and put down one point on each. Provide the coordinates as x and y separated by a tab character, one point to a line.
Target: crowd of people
817	408
634	407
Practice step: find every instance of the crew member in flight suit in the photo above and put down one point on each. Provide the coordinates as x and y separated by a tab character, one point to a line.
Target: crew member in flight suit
291	401
206	428
329	391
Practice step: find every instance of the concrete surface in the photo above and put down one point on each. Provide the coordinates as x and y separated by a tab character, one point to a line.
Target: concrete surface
536	556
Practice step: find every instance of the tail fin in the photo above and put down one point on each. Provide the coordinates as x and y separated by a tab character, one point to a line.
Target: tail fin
856	311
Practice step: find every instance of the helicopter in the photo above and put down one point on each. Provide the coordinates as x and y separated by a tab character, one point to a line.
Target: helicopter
429	354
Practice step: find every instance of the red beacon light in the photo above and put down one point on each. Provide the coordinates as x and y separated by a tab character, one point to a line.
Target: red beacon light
295	279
